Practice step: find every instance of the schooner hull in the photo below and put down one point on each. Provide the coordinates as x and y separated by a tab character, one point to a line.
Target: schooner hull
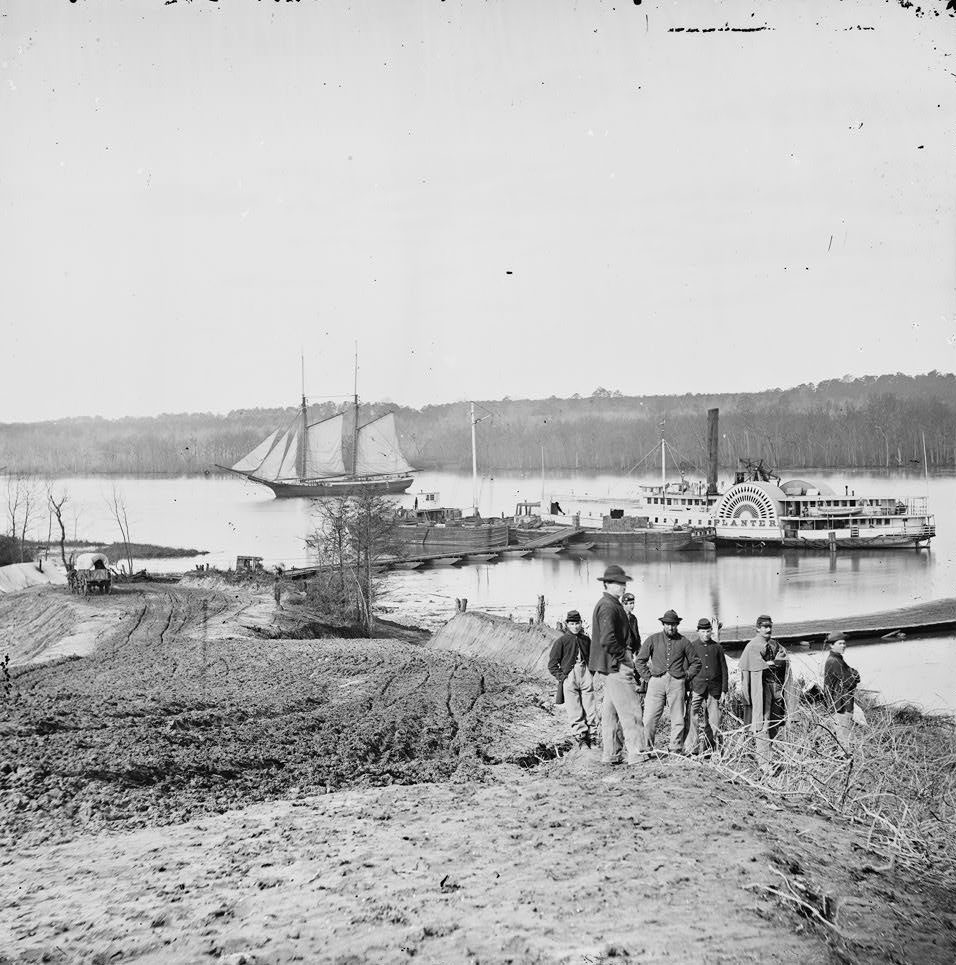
321	488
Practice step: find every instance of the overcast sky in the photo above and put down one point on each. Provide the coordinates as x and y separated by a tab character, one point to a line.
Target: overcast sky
525	198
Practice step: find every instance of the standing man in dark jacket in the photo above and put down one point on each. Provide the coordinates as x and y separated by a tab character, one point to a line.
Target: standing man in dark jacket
613	668
634	635
707	688
664	661
570	654
840	681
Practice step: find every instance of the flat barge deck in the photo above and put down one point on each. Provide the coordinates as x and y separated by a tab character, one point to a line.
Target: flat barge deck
920	619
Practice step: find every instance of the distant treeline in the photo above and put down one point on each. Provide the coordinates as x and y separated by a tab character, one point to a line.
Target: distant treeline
844	423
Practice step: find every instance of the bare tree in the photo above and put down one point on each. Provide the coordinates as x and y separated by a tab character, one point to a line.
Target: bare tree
372	531
22	507
354	533
77	513
117	507
57	501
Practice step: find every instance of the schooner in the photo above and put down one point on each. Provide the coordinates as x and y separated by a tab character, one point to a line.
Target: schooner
306	459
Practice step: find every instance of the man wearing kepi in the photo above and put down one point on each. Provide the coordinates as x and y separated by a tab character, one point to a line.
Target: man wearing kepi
568	664
634	634
764	668
707	688
839	683
613	668
664	661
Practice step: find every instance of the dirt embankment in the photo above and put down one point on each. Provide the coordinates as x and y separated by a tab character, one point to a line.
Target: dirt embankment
190	791
169	717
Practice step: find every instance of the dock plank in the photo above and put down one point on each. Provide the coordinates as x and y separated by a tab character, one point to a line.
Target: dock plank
934	616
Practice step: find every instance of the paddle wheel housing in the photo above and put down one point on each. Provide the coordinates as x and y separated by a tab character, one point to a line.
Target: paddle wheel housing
747	504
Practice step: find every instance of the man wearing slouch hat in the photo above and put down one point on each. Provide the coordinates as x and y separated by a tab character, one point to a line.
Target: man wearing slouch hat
614	677
568	664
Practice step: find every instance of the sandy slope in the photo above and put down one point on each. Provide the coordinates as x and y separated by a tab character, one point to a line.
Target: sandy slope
569	863
20	576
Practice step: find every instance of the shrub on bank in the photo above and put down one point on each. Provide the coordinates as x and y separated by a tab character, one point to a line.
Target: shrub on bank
10	551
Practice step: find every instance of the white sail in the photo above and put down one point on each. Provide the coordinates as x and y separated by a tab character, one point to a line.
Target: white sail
323	454
289	468
269	469
378	450
252	460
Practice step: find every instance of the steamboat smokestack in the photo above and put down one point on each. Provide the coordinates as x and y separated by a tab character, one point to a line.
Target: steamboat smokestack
712	444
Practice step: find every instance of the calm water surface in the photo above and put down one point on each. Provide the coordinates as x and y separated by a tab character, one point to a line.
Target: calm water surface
230	516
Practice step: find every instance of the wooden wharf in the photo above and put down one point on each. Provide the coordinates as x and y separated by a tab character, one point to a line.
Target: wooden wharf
920	619
550	542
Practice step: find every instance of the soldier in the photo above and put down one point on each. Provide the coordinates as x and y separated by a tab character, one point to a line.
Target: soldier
277	586
664	661
634	641
708	688
764	668
568	664
840	681
613	668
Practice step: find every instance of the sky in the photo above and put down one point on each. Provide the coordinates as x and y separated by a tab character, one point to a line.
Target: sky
488	198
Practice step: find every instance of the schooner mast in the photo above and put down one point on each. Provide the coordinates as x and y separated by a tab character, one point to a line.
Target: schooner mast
303	438
355	422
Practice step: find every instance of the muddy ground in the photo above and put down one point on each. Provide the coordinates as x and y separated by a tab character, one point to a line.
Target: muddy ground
189	791
171	716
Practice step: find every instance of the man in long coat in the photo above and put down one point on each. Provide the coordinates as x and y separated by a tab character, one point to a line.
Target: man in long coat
764	673
613	668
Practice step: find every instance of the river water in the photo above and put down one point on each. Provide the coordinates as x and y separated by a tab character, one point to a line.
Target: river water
229	516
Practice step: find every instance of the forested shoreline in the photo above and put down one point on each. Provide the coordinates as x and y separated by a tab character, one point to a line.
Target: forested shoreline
869	422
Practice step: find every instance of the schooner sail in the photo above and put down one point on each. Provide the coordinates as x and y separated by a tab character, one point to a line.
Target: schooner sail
377	450
306	459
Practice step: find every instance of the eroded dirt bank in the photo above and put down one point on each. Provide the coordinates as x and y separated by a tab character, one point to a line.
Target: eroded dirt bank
190	791
170	718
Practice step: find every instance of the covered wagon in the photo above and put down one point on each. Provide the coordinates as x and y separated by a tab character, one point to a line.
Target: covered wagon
90	572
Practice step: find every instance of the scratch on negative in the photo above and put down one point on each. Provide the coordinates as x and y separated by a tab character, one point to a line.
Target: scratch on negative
716	30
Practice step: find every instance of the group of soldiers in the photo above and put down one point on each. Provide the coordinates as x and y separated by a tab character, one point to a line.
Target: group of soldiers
615	687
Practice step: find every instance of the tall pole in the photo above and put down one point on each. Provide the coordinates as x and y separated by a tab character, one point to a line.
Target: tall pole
713	443
303	441
542	477
663	467
474	464
355	425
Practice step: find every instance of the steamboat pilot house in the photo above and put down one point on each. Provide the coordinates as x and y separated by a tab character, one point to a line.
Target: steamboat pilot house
809	515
